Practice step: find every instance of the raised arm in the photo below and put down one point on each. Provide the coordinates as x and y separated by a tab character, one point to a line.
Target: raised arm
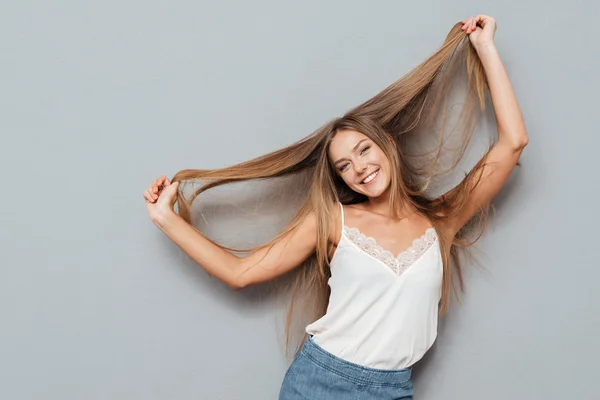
512	134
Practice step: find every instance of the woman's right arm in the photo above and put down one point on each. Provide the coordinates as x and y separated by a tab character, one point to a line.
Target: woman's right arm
263	265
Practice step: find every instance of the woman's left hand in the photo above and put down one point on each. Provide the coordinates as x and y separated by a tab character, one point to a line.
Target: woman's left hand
481	29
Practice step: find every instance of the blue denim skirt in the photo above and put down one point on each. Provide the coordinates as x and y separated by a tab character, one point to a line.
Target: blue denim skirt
316	374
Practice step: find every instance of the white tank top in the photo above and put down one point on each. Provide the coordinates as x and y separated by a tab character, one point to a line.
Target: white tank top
383	309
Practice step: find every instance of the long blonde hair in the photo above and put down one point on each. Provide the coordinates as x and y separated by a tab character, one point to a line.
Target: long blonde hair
411	106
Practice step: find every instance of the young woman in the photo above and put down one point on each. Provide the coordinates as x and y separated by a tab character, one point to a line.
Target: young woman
375	254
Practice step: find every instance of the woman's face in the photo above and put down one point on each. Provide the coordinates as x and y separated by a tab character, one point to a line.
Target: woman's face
360	163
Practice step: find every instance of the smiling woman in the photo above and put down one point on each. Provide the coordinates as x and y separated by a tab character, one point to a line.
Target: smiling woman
362	164
371	304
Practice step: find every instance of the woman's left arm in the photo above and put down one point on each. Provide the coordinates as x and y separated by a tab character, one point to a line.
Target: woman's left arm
511	127
512	134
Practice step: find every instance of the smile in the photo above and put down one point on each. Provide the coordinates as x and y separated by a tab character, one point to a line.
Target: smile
370	177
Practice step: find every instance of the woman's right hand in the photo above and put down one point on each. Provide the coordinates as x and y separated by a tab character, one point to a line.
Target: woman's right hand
160	197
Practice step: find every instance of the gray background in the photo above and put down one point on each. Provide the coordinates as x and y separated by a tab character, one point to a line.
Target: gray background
99	98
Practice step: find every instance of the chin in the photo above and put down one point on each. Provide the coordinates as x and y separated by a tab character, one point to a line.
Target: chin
375	192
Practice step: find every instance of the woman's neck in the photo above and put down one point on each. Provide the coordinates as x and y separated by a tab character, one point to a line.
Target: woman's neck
380	205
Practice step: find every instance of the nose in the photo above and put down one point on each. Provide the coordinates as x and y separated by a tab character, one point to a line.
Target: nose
360	167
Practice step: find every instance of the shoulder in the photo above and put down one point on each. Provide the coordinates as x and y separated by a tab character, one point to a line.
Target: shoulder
444	223
353	211
335	228
329	222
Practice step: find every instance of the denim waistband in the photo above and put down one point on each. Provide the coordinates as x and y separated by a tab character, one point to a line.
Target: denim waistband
352	371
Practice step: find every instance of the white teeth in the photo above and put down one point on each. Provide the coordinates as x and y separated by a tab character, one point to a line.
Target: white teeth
370	177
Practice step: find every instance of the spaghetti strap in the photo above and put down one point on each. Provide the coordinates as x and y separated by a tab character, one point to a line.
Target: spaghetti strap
342	210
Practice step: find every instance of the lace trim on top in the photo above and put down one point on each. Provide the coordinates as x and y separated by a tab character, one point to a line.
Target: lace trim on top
404	260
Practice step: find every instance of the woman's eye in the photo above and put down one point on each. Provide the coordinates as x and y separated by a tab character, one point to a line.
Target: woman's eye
365	149
343	167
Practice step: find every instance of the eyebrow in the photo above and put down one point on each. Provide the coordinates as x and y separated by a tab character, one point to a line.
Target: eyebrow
353	150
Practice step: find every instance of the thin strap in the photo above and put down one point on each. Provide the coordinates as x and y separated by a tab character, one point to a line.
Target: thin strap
342	208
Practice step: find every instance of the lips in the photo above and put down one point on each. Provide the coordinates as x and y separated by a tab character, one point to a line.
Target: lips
370	177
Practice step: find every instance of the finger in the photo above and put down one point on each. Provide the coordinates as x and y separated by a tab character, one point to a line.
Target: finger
483	19
159	181
148	196
172	189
